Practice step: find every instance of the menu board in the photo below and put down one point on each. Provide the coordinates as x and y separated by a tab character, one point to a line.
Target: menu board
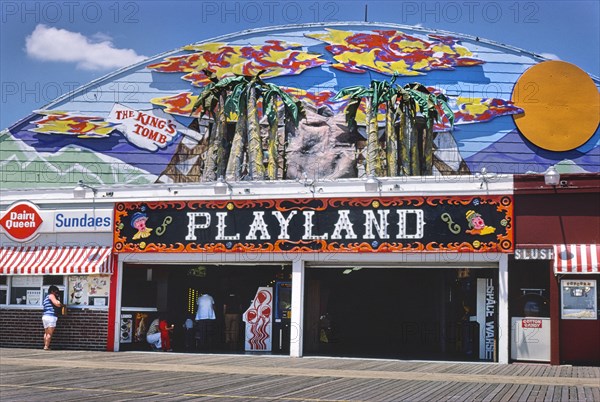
27	281
88	290
34	296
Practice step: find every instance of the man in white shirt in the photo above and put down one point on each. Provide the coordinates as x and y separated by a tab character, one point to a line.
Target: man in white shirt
205	308
205	317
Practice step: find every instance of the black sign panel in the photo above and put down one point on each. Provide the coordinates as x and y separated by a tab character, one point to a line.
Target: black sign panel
389	224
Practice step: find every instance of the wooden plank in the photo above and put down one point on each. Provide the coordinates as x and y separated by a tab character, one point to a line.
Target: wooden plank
522	393
118	376
483	391
508	395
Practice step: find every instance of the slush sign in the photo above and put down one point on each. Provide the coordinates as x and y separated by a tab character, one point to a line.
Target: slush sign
22	221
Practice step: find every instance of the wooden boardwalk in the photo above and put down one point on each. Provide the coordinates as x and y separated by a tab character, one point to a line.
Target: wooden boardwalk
36	375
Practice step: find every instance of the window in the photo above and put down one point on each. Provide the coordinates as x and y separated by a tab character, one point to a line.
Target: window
31	289
26	289
578	299
3	289
75	290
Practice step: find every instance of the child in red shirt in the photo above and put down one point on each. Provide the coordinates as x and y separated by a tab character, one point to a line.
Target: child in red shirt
165	336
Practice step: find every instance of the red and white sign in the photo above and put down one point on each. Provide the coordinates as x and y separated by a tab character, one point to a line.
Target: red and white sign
531	323
147	129
22	221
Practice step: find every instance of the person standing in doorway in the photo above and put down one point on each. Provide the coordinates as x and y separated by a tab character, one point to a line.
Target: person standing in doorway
205	318
232	311
188	327
49	316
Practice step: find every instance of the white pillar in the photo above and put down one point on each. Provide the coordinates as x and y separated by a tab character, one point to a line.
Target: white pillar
503	324
118	295
297	319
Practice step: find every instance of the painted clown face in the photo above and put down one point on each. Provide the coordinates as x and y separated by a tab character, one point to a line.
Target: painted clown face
477	222
140	223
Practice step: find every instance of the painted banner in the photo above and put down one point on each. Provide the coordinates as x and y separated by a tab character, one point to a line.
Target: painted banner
387	224
147	129
259	321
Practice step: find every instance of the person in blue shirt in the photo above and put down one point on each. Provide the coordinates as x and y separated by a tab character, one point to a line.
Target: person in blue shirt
49	316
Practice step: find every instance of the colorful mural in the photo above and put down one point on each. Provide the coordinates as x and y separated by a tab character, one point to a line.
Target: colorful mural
394	52
59	122
466	110
275	58
153	134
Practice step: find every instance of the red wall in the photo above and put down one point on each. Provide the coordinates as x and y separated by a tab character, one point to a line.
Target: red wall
567	214
564	216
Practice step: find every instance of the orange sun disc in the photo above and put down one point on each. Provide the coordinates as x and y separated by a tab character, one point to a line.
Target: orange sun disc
561	104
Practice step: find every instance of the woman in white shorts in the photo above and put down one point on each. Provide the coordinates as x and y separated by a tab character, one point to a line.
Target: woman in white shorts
49	316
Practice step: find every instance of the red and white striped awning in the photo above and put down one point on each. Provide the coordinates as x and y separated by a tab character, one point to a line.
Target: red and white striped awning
55	260
576	258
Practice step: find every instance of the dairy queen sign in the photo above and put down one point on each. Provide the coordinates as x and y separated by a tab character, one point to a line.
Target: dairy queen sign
21	222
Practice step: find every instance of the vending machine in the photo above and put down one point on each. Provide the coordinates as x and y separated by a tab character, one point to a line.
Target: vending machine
126	328
283	310
530	338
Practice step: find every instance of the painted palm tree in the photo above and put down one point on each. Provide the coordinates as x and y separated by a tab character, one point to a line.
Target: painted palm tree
211	101
407	153
293	111
419	146
237	103
388	96
407	132
256	167
370	94
240	95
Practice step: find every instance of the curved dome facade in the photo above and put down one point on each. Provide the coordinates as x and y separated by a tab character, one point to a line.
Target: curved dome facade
136	126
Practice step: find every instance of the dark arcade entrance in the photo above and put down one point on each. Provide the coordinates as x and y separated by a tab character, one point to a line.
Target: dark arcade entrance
398	313
171	291
424	313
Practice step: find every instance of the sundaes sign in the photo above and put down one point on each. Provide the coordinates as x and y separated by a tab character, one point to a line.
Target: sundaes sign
22	221
318	224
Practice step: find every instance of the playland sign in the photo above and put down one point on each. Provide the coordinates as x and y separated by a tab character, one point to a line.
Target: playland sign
388	224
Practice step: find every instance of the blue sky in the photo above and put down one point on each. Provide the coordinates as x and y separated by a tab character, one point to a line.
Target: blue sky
48	48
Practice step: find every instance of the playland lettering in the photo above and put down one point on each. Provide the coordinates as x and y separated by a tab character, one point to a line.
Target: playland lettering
343	229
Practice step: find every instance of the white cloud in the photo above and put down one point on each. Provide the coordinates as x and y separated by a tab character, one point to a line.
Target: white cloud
101	37
550	56
53	44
